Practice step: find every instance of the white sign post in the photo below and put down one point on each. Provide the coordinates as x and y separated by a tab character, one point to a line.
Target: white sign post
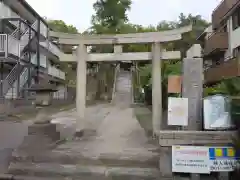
190	159
177	111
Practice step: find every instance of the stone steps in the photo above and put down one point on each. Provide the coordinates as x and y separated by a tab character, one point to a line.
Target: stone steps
109	160
123	88
82	172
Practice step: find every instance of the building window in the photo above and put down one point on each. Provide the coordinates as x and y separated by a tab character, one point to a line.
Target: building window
236	51
236	19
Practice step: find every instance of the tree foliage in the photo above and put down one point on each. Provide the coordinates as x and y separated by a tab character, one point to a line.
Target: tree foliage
172	66
61	26
111	14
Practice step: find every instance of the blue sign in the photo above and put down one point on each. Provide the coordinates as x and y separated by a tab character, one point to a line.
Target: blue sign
223	159
223	153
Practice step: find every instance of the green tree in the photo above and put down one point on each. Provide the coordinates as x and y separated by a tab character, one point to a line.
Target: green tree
199	25
111	14
61	26
172	66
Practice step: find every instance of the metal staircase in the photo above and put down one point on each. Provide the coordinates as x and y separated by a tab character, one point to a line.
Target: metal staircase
16	47
7	83
24	39
12	92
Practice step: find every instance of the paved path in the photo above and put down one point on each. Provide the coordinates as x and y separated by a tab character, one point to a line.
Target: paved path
117	145
117	131
11	136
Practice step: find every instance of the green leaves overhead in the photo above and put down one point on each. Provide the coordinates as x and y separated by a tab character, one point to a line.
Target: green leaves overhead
111	13
61	26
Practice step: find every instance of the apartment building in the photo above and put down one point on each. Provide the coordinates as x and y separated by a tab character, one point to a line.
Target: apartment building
27	55
221	42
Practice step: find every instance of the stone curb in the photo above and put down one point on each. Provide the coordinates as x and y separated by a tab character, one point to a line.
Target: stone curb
56	170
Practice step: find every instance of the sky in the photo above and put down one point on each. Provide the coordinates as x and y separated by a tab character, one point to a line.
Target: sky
144	12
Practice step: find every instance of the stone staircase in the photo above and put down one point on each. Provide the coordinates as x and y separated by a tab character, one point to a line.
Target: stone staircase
74	166
72	161
123	92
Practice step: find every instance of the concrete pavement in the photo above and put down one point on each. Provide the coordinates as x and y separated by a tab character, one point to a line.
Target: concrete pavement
117	148
11	136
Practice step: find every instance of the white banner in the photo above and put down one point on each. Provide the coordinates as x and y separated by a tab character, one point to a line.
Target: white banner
216	112
177	111
190	159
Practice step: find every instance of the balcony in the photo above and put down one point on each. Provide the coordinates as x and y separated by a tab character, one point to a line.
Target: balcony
216	42
54	49
228	69
55	72
43	60
9	45
224	7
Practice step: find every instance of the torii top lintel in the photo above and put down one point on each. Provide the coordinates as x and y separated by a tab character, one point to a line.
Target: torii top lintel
132	38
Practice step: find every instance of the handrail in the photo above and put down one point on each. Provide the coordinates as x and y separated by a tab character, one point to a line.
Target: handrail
33	26
3	42
22	81
16	31
226	60
214	33
9	80
12	41
54	48
25	36
115	82
24	76
43	29
56	72
132	91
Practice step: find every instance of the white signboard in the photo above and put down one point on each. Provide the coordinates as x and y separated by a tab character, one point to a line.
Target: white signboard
216	112
177	111
190	159
222	159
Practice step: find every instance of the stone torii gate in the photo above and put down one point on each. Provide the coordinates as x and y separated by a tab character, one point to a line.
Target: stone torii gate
157	54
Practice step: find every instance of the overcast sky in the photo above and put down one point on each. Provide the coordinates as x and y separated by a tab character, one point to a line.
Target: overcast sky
144	12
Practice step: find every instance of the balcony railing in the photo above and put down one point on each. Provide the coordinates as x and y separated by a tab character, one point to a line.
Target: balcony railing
227	69
43	60
3	42
54	49
53	71
217	41
51	47
14	45
6	12
43	29
224	7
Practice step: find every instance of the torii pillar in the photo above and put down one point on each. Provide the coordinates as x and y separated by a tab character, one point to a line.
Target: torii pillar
156	88
81	86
